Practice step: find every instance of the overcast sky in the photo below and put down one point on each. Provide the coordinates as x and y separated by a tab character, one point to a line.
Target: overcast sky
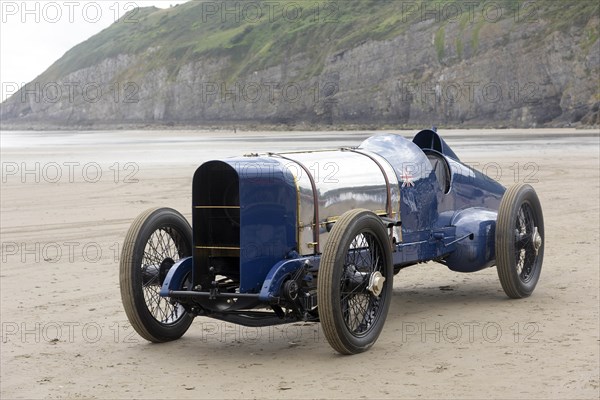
34	34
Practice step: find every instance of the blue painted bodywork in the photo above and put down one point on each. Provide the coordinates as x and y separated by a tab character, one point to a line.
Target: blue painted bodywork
267	217
268	220
279	274
177	275
431	217
452	223
478	250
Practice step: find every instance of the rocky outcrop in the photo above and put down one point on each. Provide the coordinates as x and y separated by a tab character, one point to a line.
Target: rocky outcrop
506	73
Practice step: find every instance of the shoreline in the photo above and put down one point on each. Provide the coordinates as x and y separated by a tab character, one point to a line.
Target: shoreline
266	127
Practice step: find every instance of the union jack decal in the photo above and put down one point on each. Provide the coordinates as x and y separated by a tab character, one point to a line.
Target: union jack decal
407	179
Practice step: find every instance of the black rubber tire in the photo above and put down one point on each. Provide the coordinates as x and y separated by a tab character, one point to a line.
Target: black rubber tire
519	266
353	224
135	294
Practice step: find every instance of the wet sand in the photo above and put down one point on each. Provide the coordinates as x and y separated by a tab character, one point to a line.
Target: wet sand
67	200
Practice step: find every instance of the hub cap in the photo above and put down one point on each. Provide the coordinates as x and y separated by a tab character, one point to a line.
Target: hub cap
376	283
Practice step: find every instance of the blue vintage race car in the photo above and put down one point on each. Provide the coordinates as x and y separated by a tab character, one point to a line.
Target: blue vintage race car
275	239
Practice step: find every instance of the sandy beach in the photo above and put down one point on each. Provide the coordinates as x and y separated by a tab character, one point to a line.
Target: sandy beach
67	200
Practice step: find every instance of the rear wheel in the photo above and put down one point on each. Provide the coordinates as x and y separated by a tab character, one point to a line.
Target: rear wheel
355	282
157	239
519	241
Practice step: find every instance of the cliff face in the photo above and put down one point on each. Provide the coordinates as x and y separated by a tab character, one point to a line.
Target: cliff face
394	63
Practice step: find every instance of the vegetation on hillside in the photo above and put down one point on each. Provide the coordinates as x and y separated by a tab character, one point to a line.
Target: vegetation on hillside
258	35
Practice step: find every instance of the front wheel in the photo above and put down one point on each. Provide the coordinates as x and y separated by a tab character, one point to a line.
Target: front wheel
156	240
355	282
519	241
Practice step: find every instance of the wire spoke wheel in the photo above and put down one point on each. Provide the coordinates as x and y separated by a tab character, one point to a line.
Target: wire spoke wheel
360	308
163	249
157	239
355	282
519	241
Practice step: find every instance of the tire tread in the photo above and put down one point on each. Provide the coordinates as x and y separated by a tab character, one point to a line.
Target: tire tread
507	273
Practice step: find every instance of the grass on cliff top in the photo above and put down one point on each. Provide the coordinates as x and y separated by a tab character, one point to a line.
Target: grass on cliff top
253	41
